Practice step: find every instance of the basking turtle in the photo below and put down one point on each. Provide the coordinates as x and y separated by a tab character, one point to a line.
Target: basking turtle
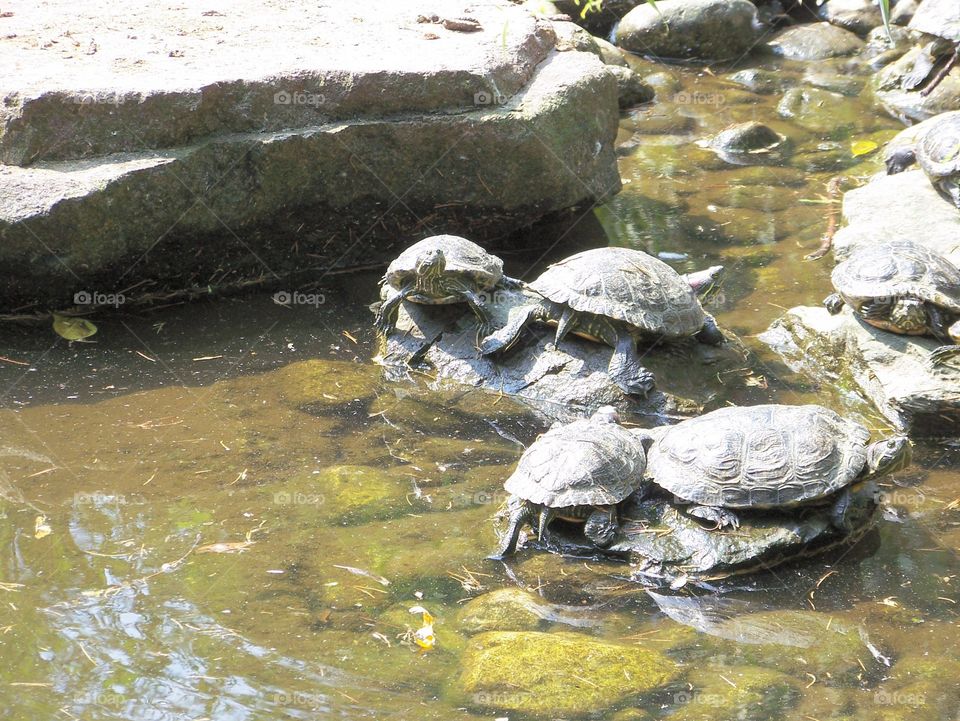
440	270
938	152
576	472
615	296
902	287
768	456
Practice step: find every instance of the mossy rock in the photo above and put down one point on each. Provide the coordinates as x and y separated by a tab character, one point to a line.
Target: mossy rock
324	384
796	642
506	609
349	494
744	693
919	688
556	674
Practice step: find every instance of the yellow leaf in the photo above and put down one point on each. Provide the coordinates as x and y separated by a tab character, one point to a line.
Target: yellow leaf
72	328
423	636
862	147
41	528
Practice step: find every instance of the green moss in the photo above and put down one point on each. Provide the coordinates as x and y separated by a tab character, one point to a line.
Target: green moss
324	383
919	688
556	674
506	609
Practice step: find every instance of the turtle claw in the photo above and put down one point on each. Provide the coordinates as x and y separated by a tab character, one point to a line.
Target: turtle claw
492	344
720	517
640	385
941	355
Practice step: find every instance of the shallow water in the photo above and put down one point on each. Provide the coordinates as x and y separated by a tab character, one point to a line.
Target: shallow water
269	429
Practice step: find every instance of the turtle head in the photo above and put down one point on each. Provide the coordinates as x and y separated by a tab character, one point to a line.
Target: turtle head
606	414
888	456
909	314
431	264
706	283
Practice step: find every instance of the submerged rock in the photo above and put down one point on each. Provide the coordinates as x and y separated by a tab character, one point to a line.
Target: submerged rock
816	41
557	674
918	687
920	214
506	609
745	693
749	143
820	110
890	370
764	82
690	29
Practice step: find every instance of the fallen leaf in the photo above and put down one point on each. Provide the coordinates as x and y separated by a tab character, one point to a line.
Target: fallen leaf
862	147
72	328
41	528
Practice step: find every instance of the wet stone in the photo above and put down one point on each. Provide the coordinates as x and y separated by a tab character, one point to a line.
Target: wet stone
821	111
889	370
858	16
557	674
631	87
746	693
816	41
559	383
898	87
690	29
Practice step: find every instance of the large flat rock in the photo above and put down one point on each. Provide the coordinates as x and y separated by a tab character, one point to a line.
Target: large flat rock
887	369
892	207
216	143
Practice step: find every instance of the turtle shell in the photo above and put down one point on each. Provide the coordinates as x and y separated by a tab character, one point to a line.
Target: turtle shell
938	149
463	257
765	456
898	269
583	463
626	285
940	18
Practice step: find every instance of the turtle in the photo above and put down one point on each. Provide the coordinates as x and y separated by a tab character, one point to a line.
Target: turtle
767	457
938	153
615	296
577	472
903	287
440	270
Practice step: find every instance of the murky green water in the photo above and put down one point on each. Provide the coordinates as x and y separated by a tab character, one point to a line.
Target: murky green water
269	430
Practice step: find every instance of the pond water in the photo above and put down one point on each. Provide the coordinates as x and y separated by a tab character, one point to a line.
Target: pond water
339	500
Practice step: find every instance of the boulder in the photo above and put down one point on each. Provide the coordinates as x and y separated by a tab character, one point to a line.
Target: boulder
920	213
890	370
815	41
690	29
562	383
598	20
898	87
556	675
857	16
253	142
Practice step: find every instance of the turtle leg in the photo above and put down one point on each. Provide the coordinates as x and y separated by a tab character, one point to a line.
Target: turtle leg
940	326
710	334
720	517
517	320
941	355
840	511
478	305
833	303
566	323
521	514
386	317
875	310
625	368
601	526
546	515
951	188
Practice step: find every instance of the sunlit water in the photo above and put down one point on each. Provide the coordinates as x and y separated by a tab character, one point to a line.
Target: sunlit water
269	429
